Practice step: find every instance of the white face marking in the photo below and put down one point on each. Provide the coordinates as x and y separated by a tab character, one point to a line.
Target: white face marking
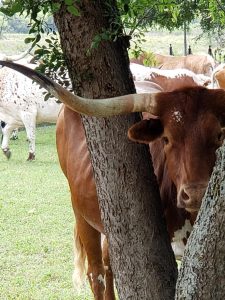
184	232
177	116
101	279
178	239
91	276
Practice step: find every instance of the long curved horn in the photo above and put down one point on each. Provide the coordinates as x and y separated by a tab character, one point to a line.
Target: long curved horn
147	87
93	107
17	56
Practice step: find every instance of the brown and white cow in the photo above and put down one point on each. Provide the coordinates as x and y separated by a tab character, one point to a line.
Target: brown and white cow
168	80
186	128
199	64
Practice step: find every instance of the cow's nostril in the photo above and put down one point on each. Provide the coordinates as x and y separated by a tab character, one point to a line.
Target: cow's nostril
190	196
184	195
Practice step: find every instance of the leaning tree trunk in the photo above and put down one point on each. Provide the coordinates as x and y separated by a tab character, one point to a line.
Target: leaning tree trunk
202	273
141	256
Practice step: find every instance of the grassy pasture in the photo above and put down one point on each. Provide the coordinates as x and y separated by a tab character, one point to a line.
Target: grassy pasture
159	42
36	224
13	43
156	41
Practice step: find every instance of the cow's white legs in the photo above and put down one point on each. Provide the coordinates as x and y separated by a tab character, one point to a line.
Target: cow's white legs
14	135
29	121
6	133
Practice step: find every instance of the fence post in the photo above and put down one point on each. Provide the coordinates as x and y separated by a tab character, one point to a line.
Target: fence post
210	51
171	50
189	50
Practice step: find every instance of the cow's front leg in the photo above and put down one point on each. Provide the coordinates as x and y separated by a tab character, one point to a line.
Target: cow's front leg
6	133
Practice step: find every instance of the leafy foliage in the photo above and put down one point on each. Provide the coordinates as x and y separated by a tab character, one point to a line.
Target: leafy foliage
52	60
136	15
150	59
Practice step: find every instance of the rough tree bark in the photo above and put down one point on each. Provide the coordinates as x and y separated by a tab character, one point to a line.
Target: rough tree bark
140	252
202	273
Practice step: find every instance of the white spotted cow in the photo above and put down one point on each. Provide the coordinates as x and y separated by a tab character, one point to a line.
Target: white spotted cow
22	104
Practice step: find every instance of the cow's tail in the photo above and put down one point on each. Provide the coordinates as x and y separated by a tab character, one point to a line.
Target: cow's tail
79	261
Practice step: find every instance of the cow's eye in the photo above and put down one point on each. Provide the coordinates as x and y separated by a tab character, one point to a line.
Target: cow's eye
165	140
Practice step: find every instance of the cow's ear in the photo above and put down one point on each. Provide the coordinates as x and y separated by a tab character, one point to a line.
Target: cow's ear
146	131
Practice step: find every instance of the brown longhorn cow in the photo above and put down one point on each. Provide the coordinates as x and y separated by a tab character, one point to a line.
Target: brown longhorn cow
199	64
185	129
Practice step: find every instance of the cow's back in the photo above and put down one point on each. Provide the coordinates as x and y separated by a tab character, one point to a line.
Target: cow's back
171	83
18	89
199	64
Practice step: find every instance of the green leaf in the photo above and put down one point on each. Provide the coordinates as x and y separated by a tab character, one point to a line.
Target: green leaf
41	51
38	37
69	2
32	30
48	41
16	7
29	40
105	36
55	7
73	10
6	12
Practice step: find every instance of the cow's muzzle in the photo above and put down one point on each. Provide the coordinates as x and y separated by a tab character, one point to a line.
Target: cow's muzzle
190	196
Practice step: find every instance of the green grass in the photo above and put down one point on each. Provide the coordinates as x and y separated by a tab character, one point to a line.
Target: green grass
36	224
11	43
156	41
159	41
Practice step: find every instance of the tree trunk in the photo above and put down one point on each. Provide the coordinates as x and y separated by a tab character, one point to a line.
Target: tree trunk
202	273
140	252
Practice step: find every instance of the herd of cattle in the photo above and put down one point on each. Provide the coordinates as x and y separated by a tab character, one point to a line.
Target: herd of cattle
26	107
183	123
